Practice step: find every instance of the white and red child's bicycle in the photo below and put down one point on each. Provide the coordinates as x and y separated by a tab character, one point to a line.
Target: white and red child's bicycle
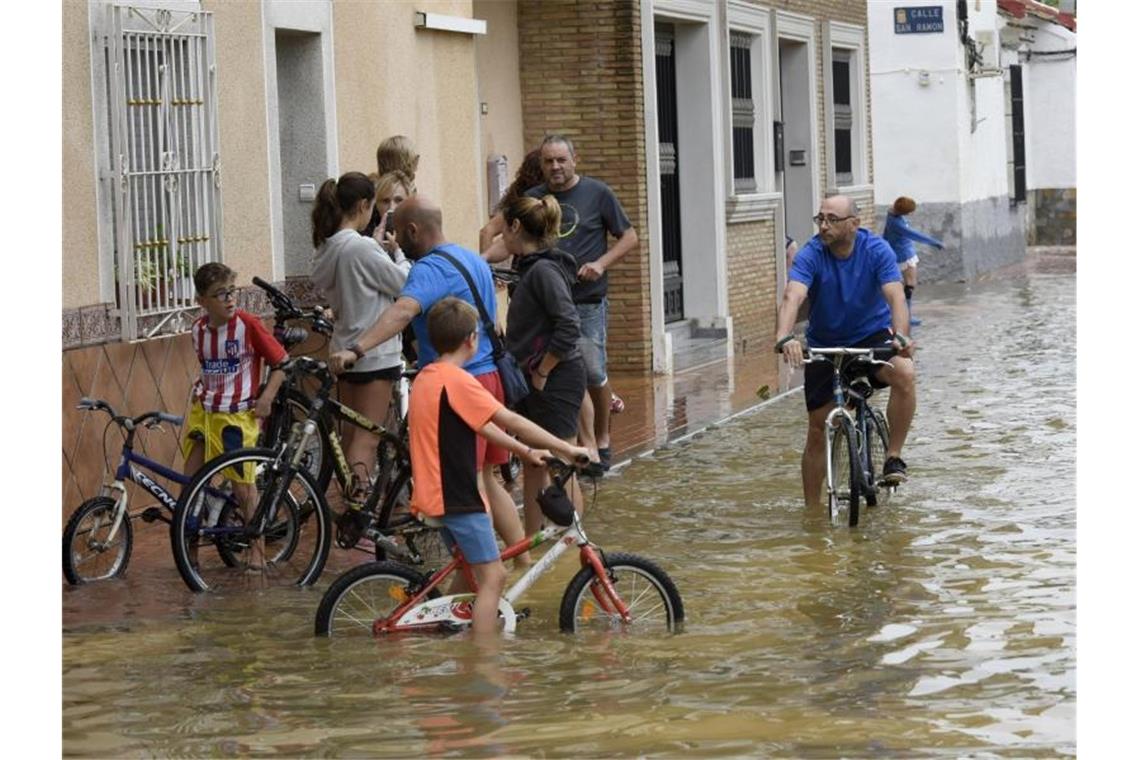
610	592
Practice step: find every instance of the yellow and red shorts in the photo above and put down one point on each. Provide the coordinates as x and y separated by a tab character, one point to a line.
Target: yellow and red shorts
221	432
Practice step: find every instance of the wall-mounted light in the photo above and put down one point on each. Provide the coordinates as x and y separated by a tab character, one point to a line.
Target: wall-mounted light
442	23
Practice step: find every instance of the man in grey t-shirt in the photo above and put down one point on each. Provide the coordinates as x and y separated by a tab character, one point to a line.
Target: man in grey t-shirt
590	213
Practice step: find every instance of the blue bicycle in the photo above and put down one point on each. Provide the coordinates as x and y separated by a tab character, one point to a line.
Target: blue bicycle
98	539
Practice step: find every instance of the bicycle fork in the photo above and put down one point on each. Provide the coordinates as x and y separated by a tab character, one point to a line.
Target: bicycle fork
120	512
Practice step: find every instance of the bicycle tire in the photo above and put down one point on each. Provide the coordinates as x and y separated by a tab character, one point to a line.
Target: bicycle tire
91	511
280	423
427	542
364	593
652	597
847	472
188	532
282	535
878	438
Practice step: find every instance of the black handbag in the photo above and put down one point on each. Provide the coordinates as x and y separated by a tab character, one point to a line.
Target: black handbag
515	387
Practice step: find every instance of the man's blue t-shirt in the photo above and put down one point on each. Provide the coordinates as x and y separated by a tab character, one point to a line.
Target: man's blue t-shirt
432	279
847	303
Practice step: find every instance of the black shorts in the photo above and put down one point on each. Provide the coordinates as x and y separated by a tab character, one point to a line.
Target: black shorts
817	375
555	408
391	374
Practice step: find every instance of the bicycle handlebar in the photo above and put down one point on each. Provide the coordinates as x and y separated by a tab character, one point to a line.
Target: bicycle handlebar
94	404
875	353
284	309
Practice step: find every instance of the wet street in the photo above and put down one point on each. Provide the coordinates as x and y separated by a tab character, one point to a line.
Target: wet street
943	626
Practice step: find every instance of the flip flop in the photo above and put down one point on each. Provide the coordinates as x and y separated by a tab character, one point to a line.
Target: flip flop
617	406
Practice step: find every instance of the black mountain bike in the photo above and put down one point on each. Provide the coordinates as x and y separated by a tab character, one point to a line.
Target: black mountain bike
857	434
292	401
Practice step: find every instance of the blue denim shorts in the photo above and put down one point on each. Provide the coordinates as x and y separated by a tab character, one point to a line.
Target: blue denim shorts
474	534
593	341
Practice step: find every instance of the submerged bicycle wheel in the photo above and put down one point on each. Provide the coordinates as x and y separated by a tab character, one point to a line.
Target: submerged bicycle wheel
89	551
846	488
364	594
291	551
424	544
876	454
648	591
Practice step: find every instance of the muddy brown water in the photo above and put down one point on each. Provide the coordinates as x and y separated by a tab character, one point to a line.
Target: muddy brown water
944	626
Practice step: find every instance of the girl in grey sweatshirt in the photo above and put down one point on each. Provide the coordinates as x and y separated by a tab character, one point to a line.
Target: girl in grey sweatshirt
360	280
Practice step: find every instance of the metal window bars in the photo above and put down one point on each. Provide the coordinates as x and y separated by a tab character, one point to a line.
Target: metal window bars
166	166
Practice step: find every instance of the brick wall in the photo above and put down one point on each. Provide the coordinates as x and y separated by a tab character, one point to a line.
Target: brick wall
582	77
752	304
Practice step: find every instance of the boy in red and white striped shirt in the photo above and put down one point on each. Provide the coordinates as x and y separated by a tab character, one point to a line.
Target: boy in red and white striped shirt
232	348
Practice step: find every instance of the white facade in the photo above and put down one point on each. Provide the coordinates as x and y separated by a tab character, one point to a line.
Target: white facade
1050	117
942	136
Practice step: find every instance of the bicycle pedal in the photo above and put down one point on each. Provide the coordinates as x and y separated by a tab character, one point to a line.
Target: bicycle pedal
150	514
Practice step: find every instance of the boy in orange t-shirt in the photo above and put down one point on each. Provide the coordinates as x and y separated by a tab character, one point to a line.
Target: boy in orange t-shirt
447	411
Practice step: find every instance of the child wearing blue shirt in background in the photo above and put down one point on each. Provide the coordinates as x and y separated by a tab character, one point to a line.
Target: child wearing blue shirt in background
901	238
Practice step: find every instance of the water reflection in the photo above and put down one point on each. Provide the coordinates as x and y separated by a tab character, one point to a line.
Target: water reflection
942	626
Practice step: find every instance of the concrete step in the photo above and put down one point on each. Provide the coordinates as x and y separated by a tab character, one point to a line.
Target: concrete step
694	346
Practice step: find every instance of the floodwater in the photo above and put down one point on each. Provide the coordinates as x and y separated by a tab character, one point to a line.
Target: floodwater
944	626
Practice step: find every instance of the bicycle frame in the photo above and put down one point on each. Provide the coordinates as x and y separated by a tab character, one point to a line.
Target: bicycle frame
131	467
416	614
842	400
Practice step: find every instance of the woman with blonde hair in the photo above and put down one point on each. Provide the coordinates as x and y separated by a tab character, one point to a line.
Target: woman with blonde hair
392	189
542	332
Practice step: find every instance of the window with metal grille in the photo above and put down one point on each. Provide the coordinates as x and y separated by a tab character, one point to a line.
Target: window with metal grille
743	113
160	183
1017	132
841	105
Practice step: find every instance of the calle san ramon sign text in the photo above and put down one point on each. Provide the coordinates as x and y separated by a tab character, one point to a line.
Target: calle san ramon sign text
921	20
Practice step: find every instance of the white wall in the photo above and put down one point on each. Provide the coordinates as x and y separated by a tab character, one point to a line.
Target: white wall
915	127
984	152
1051	113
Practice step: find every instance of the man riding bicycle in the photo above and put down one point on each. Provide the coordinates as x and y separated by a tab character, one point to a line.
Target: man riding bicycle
857	300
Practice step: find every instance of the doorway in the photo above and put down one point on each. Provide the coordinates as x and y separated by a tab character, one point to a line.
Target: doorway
302	140
670	178
795	107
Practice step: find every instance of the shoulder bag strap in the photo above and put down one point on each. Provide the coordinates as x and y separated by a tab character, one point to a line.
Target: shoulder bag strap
488	325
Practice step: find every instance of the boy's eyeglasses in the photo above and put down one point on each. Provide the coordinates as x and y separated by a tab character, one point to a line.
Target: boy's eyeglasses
225	295
819	219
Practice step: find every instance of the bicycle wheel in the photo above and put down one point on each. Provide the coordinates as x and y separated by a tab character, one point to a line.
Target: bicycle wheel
648	591
317	459
88	552
875	451
846	487
281	535
295	545
424	544
365	593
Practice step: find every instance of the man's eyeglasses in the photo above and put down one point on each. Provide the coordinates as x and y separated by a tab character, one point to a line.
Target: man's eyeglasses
225	295
819	219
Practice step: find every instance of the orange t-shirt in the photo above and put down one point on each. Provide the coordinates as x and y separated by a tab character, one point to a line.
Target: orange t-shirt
446	408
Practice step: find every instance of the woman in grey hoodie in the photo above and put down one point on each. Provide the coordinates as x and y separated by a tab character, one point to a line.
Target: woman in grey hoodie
360	280
542	333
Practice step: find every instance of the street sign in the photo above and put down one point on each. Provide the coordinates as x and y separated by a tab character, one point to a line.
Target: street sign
922	20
